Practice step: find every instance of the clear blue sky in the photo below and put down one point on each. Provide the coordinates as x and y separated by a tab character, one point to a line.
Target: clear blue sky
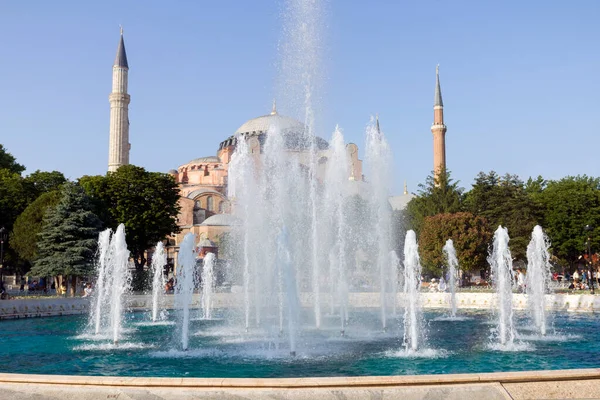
519	80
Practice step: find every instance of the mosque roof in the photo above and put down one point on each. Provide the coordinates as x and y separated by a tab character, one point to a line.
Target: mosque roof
293	131
213	159
263	123
400	202
220	220
121	58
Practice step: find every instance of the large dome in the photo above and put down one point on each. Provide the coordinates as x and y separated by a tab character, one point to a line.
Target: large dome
263	123
293	131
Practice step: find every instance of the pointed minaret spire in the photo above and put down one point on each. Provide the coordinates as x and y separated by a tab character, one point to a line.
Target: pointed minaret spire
274	110
437	102
438	128
405	188
121	58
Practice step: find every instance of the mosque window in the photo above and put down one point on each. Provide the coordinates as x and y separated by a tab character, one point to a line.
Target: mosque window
221	206
206	173
209	203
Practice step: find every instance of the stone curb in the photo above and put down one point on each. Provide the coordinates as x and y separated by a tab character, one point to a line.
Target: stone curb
307	383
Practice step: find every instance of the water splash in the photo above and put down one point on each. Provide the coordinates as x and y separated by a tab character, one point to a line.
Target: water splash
501	262
413	329
112	283
452	273
184	288
159	260
538	277
208	285
394	274
101	290
378	157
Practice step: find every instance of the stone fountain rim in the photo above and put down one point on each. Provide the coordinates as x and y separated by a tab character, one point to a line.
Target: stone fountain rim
308	382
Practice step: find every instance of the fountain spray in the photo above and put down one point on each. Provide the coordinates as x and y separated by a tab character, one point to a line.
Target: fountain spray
452	273
412	284
159	260
538	277
208	284
184	289
501	262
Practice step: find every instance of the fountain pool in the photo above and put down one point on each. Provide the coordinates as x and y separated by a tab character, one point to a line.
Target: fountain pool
220	349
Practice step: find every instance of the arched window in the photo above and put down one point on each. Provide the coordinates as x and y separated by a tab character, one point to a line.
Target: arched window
209	203
221	207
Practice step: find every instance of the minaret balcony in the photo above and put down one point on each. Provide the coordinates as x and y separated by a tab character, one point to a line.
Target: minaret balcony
438	126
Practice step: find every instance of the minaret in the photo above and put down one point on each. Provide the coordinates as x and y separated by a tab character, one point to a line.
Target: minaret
118	147
438	128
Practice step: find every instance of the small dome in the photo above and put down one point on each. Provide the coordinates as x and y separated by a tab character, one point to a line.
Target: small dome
206	242
172	172
220	220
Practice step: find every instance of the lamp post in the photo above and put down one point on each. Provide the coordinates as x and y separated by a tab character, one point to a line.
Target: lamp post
3	237
588	229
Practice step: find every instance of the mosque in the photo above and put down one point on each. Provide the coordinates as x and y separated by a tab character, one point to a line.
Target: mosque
202	181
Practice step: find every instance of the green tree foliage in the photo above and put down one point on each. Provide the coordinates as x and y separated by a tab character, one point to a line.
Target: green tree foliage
40	182
146	202
28	225
7	161
507	201
13	197
469	233
69	236
439	194
570	204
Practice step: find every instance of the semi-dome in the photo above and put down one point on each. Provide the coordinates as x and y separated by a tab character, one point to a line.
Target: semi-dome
220	220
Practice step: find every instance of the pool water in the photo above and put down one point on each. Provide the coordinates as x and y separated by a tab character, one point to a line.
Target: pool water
60	345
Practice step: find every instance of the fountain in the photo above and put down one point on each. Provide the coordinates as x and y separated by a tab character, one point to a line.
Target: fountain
378	157
112	283
100	293
159	260
538	277
184	288
208	285
413	329
501	262
306	237
393	280
452	273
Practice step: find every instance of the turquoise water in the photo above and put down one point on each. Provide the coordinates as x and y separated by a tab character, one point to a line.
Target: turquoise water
217	349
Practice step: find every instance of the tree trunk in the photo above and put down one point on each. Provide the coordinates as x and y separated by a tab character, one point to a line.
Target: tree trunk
73	288
58	284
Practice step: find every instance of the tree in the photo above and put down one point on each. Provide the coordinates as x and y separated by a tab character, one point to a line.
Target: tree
69	237
40	182
507	201
146	202
440	194
25	235
570	204
7	161
13	197
469	233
